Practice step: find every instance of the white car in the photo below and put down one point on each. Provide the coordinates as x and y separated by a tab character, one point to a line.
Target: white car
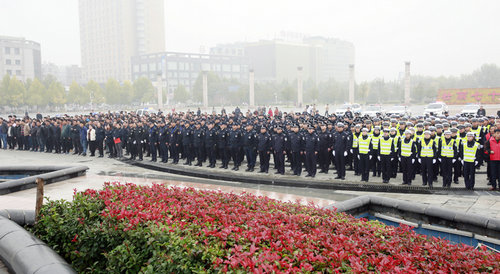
372	111
398	110
470	110
438	108
355	108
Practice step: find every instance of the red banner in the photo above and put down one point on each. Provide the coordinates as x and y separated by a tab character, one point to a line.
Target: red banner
469	95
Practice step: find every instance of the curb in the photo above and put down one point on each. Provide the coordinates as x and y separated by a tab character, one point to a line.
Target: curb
53	174
301	183
24	253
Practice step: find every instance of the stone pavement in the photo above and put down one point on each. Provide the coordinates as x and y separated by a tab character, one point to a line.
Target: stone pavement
104	169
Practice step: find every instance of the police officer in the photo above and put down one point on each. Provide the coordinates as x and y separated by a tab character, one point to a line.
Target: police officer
407	153
187	143
153	140
354	148
468	153
234	143
278	145
375	163
163	140
311	151
263	149
174	141
364	154
325	148
447	151
249	146
198	147
386	154
222	145
210	143
295	144
341	144
427	157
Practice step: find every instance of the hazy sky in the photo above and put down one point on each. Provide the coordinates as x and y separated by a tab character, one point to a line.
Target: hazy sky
439	37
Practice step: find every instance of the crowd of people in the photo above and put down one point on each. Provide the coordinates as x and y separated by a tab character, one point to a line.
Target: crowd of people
445	146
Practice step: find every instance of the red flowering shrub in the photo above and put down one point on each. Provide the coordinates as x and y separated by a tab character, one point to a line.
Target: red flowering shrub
159	229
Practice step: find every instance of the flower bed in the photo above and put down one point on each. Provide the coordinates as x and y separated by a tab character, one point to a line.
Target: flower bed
158	229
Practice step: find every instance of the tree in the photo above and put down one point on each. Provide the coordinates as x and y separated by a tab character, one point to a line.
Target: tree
144	91
15	92
181	95
213	85
56	94
77	94
4	88
94	90
112	91
126	92
36	94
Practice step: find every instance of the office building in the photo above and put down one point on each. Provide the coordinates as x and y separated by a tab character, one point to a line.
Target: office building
64	74
112	31
20	57
321	58
183	68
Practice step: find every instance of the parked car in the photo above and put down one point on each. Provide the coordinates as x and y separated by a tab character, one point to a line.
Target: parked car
372	111
145	111
437	108
398	110
355	108
469	110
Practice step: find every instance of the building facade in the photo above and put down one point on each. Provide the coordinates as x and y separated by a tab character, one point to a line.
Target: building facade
20	58
113	31
64	74
178	68
321	58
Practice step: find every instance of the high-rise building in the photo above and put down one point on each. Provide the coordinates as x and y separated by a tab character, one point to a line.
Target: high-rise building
112	31
321	58
20	57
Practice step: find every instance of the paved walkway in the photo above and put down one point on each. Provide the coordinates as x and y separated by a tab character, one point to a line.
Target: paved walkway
103	169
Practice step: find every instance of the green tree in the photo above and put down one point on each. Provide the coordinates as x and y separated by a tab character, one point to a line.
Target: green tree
126	92
15	92
144	91
36	94
4	88
77	94
112	92
181	95
56	94
94	90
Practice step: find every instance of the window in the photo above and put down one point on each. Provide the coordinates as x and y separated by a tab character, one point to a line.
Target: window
7	50
7	61
171	66
144	67
226	68
236	68
136	68
152	66
18	72
17	51
9	72
18	62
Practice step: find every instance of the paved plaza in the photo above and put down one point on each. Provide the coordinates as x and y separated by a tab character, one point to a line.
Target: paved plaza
109	170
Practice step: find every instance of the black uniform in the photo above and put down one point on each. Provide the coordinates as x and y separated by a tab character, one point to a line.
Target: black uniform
278	145
263	147
341	144
295	144
249	147
210	145
311	149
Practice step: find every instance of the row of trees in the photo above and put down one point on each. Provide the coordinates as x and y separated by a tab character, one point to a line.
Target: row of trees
48	92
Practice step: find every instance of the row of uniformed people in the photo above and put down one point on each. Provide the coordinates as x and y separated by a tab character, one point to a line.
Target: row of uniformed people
425	153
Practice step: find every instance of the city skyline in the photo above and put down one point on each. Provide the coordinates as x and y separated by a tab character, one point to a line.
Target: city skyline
438	38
